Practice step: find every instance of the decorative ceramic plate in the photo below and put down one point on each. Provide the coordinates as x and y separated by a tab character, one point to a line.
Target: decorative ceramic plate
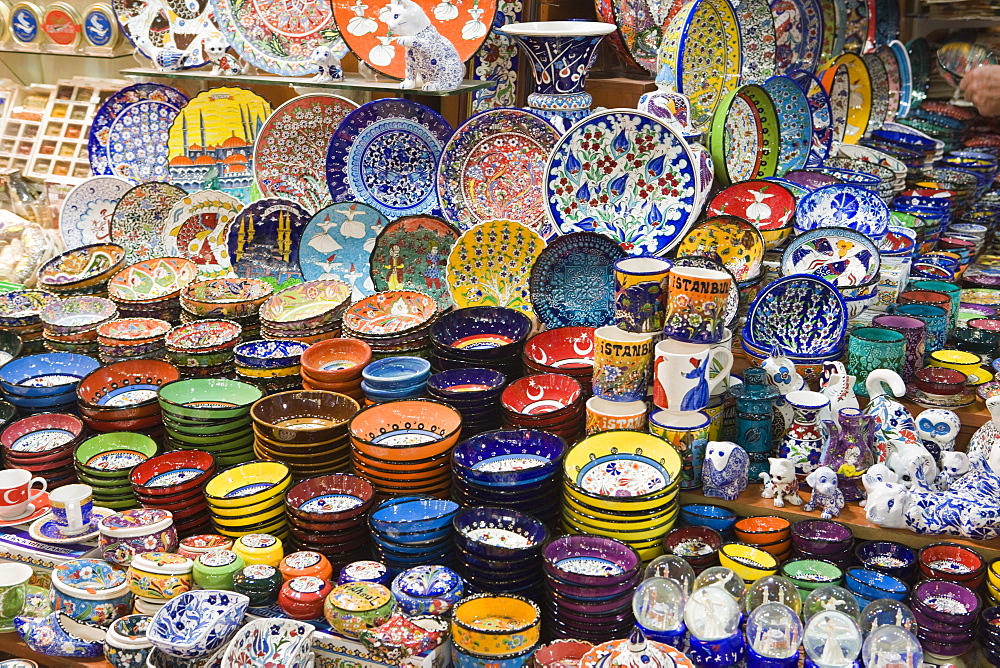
152	279
767	205
385	154
736	243
278	36
798	28
336	245
757	39
905	76
840	255
956	59
625	175
411	254
493	167
858	102
879	78
139	217
390	312
777	314
197	229
604	654
893	78
365	26
171	35
701	50
856	20
919	53
819	110
45	529
886	22
264	241
489	265
573	283
289	156
128	137
744	137
211	141
833	34
794	122
85	216
641	26
843	205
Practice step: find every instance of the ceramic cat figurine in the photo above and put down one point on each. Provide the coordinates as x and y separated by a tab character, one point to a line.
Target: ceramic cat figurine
432	62
327	58
826	495
781	484
954	465
938	428
875	475
838	386
724	471
223	63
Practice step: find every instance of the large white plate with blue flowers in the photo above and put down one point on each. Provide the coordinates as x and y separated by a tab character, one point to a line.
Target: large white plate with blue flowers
626	175
843	205
85	217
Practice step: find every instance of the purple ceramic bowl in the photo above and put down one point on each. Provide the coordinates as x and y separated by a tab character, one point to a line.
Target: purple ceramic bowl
964	636
589	630
926	622
590	560
614	606
991	620
821	537
945	650
947	602
585	593
576	618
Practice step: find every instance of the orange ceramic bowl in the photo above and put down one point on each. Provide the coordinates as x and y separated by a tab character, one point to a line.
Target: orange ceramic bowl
405	430
336	360
763	530
777	548
347	385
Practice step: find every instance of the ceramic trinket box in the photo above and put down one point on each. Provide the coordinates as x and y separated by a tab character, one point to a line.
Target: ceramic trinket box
216	569
90	591
160	575
356	606
135	531
260	582
303	597
426	590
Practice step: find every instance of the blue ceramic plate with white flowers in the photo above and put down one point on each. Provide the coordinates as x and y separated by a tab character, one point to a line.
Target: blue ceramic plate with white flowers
794	122
843	205
778	314
840	255
337	243
798	31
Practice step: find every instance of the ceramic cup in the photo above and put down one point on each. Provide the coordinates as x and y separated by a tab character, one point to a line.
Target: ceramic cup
696	304
604	415
915	332
870	348
622	361
930	298
688	433
717	367
16	492
640	293
681	374
954	293
935	320
13	591
72	508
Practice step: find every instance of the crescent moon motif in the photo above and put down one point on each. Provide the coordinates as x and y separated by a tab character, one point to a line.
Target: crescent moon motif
583	351
533	397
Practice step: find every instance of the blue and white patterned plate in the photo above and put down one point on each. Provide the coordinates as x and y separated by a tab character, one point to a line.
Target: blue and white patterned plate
85	217
777	314
46	530
337	243
843	205
385	154
572	281
794	122
819	110
798	31
128	137
886	21
838	254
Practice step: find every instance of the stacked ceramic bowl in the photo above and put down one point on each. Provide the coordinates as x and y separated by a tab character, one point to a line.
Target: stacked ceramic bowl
70	325
476	640
480	336
235	299
952	562
565	350
336	365
327	514
868	586
152	288
771	534
499	550
404	447
475	393
699	546
989	635
887	557
823	539
548	401
622	484
45	382
307	312
397	322
175	481
517	469
410	531
249	498
304	429
393	378
203	349
105	462
810	574
210	414
589	583
748	561
131	338
20	314
82	271
122	396
271	365
947	613
43	444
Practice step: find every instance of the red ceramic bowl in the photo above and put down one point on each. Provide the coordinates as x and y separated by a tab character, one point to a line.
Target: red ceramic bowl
950	561
567	348
344	538
53	459
122	425
541	394
345	386
988	324
940	380
41	422
196	464
324	527
336	360
332	489
116	414
699	546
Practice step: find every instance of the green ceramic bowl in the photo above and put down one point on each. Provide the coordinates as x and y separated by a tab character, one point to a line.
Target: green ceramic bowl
201	398
225	461
221	427
209	438
99	483
122	444
809	574
215	447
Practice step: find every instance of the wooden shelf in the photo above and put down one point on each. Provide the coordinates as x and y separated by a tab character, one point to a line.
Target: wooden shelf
11	644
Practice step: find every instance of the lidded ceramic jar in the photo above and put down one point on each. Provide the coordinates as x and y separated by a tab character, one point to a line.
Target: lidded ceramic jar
356	606
215	569
259	548
160	575
126	644
192	546
365	571
260	582
90	590
135	531
302	597
298	564
427	590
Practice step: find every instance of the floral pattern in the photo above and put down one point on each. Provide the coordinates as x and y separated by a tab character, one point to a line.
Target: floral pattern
756	40
802	314
743	134
196	227
85	216
139	217
622	475
794	122
271	643
497	61
821	114
798	26
489	265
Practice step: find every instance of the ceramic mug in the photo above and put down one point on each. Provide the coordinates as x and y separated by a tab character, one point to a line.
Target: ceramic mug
931	298
696	304
16	492
604	415
622	361
640	293
681	374
13	591
688	433
72	508
935	320
915	332
954	293
870	348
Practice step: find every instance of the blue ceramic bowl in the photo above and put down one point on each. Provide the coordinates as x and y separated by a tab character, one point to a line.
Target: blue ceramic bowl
512	534
481	332
467	385
388	555
706	515
887	557
412	514
462	659
508	457
409	392
874	585
47	374
403	549
269	354
66	398
904	139
394	373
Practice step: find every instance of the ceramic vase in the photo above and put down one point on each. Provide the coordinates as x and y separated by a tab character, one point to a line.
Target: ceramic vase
803	442
755	401
850	450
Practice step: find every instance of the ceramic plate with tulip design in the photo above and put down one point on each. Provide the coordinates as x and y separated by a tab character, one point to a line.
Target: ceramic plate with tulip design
744	138
625	175
489	265
794	122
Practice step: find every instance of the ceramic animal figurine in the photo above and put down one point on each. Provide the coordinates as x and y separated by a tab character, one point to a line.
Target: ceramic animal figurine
826	495
432	62
904	458
875	475
781	373
838	386
327	58
781	484
724	472
954	465
981	443
894	422
217	51
938	428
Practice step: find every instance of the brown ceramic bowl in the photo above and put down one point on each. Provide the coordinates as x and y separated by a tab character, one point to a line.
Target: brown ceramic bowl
303	416
336	486
336	360
939	380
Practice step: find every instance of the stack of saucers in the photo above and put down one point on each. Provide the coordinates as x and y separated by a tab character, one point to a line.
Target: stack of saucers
480	336
589	583
272	365
20	313
548	401
511	469
174	481
45	382
499	550
43	444
236	299
122	396
82	271
475	393
307	312
336	365
565	350
70	325
397	322
249	498
203	349
105	462
326	514
413	531
130	339
152	288
393	378
304	429
947	613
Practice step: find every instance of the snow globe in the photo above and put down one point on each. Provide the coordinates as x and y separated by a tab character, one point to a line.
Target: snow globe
674	568
887	612
831	640
773	636
713	618
772	589
892	647
658	605
722	577
830	597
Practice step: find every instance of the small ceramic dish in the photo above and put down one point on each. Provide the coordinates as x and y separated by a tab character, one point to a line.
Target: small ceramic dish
21	308
125	384
394	373
950	561
303	416
355	607
173	472
269	354
716	517
76	314
390	313
508	457
207	398
247	484
412	517
481	332
699	546
219	615
45	375
820	536
809	574
153	280
203	336
330	498
306	305
498	533
336	360
425	428
109	454
590	560
887	557
749	562
43	436
81	268
225	297
541	394
760	530
946	602
874	585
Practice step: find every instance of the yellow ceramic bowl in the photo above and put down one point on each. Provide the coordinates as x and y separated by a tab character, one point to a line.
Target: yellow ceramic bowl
247	484
749	562
614	505
580	515
594	465
644	538
280	372
495	624
259	507
250	519
993	573
968	363
774	238
583	508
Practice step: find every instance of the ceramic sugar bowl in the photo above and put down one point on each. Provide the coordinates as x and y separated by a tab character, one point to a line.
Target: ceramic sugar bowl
427	590
192	546
259	548
260	582
303	597
365	571
160	575
305	562
126	644
131	532
90	590
216	569
356	606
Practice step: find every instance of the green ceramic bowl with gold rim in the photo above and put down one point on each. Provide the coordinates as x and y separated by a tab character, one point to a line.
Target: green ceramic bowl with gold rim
744	138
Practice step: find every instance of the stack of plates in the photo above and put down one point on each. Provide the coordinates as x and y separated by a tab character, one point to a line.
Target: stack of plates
271	365
152	288
475	393
130	339
174	481
403	447
236	299
480	336
249	498
397	322
304	429
499	550
410	531
82	271
510	469
43	444
622	484
326	514
20	314
203	349
336	365
307	312
105	461
45	382
565	350
211	414
122	396
70	325
392	378
550	401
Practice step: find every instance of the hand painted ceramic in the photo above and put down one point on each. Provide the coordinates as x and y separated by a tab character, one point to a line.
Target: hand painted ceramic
798	29
819	109
60	635
153	279
175	43
768	205
135	531
794	121
160	575
353	607
337	242
427	590
905	74
640	293
842	256
13	591
196	228
915	332
737	243
844	205
85	216
871	348
91	591
853	102
957	58
776	315
411	254
681	374
604	415
17	491
697	304
263	241
139	217
744	138
879	77
622	363
278	641
757	41
197	623
72	508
